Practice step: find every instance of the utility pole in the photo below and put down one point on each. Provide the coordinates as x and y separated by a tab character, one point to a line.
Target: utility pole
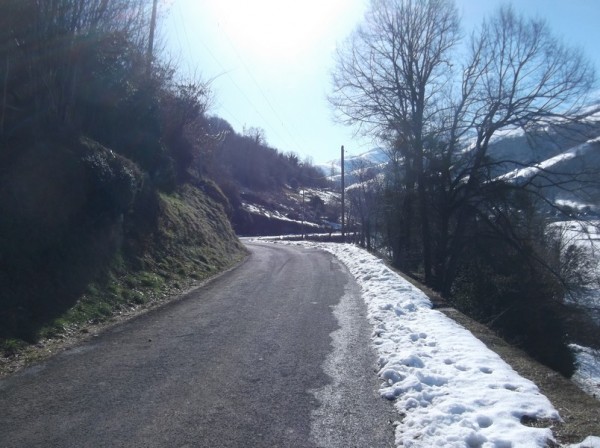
4	95
151	39
303	213
343	210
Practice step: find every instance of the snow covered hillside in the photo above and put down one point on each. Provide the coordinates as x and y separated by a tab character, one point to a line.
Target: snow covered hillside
449	389
580	162
586	237
287	211
375	158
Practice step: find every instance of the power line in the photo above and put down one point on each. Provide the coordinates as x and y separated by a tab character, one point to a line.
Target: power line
276	114
216	59
291	141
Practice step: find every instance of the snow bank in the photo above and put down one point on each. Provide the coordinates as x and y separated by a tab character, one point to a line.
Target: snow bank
571	153
589	442
587	376
449	388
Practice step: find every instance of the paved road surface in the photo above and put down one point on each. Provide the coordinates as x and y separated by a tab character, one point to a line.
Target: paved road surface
273	354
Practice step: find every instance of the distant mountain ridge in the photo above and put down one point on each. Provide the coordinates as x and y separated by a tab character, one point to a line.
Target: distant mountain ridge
376	158
554	155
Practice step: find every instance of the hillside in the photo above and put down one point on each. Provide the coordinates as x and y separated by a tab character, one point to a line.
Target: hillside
84	239
103	205
287	211
375	159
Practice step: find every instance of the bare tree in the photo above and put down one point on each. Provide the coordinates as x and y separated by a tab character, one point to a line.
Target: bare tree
389	79
49	48
518	76
363	196
255	134
394	80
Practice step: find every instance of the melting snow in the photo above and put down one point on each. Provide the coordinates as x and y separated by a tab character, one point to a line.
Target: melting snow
587	376
449	389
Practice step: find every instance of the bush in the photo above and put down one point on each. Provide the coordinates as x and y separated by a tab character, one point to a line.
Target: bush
498	287
62	210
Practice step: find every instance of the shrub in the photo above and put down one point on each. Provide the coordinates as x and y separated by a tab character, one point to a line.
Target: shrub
499	287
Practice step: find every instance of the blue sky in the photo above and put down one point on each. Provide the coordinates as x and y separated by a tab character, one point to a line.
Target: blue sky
270	60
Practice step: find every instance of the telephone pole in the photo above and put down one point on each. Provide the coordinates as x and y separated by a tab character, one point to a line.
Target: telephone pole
343	210
151	39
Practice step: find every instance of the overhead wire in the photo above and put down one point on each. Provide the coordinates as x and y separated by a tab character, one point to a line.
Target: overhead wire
238	122
265	120
227	73
260	89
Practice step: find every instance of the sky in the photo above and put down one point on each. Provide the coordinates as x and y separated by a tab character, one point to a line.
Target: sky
269	62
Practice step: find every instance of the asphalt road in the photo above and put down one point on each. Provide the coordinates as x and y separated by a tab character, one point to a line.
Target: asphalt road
272	354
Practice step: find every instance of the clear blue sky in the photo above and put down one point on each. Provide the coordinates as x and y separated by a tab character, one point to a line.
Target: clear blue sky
270	60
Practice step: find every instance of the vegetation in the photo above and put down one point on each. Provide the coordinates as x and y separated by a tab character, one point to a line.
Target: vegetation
245	167
247	161
102	205
106	158
106	161
442	211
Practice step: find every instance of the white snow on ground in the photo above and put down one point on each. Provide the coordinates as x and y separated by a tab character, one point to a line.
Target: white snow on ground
548	164
589	442
587	376
448	387
585	235
327	196
257	210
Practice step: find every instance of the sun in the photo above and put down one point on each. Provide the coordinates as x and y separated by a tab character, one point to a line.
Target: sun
275	29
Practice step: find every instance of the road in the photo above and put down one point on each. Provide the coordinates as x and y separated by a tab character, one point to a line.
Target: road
274	353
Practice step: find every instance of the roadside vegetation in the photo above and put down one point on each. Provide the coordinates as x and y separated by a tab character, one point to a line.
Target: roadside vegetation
442	210
104	205
117	187
249	171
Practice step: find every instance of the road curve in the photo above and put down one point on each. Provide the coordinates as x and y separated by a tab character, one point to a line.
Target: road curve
272	354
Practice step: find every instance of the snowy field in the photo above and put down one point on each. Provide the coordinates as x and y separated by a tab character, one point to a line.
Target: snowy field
449	389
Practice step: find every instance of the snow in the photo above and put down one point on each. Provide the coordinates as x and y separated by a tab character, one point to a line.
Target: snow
375	156
327	196
448	388
548	164
589	442
257	210
505	133
587	376
587	236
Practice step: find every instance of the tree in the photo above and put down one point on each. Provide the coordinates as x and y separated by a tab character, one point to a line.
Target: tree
364	196
53	51
388	80
255	133
518	76
393	79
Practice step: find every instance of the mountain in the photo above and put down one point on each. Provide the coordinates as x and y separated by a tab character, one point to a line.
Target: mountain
552	155
562	160
287	211
375	158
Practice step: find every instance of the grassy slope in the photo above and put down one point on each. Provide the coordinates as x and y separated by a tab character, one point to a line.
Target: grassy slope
193	241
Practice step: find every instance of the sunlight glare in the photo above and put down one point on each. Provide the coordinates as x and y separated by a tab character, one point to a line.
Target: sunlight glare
276	29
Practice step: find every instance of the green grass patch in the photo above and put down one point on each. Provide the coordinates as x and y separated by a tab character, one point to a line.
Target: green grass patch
193	240
11	346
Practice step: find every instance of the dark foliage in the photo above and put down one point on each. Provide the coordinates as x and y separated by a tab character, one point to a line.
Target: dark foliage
243	163
61	214
89	136
252	164
500	283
